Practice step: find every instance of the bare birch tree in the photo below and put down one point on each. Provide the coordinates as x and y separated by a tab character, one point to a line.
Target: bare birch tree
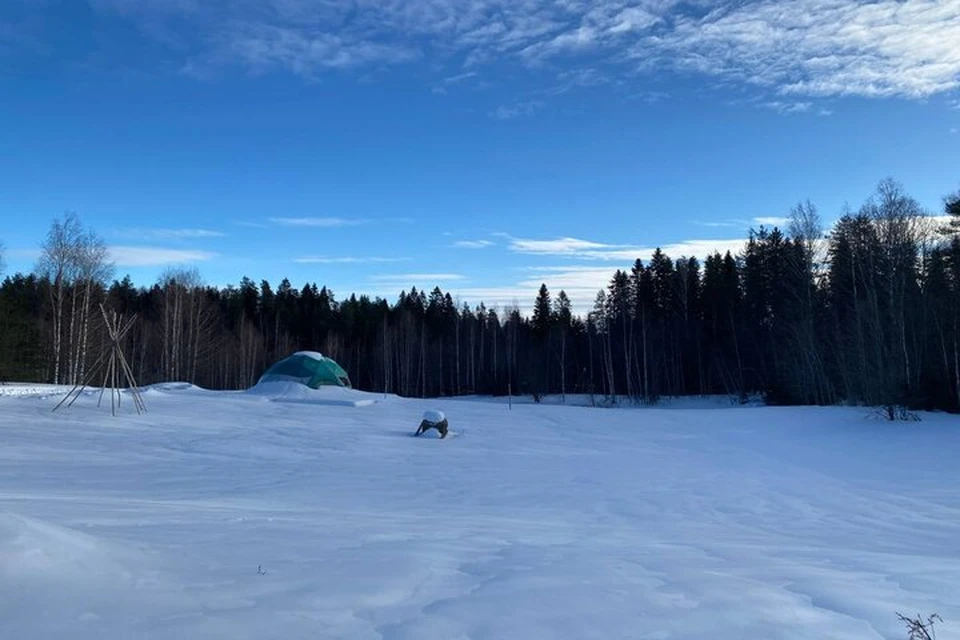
185	323
899	222
58	264
93	271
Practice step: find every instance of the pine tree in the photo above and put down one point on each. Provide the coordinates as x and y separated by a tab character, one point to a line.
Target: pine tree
542	312
875	319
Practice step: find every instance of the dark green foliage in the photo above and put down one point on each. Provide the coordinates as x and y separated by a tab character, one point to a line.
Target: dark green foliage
873	318
22	355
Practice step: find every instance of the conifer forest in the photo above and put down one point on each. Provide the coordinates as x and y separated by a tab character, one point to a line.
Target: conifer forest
864	312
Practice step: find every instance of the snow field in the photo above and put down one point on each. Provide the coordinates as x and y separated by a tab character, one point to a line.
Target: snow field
540	522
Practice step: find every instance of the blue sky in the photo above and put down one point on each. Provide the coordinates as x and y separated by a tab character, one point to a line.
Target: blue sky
481	146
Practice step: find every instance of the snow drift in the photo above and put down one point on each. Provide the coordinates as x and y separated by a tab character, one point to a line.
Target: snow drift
294	392
231	515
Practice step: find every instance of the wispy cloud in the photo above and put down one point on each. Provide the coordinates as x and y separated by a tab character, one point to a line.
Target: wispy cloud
820	47
420	280
590	250
699	249
169	234
650	97
129	256
723	224
771	221
303	51
318	222
557	246
788	107
745	223
446	277
579	281
450	81
472	244
802	48
460	77
509	112
347	260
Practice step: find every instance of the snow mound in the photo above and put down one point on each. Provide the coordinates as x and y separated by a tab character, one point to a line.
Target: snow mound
27	390
316	355
433	416
172	386
58	582
284	391
34	550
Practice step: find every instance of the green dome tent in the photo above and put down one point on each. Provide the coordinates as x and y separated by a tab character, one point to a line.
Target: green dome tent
308	368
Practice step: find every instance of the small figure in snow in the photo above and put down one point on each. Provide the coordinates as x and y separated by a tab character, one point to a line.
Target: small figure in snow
433	420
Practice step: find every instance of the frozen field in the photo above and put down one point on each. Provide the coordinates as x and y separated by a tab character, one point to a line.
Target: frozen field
228	515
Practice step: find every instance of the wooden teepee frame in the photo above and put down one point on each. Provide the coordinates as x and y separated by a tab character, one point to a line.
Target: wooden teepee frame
113	365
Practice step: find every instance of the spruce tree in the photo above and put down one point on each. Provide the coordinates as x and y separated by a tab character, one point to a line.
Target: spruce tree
542	312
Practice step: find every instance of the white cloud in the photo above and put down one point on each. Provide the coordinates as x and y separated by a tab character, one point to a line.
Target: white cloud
954	130
346	260
421	280
318	222
650	97
304	51
901	48
508	112
558	246
724	224
450	81
771	221
745	224
788	107
699	249
460	77
472	244
579	282
169	234
572	78
589	250
802	48
582	281
126	256
579	39
633	19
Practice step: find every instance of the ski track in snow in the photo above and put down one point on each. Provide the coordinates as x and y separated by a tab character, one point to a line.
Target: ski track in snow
542	522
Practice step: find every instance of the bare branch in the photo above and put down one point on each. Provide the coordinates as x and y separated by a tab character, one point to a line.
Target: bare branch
920	629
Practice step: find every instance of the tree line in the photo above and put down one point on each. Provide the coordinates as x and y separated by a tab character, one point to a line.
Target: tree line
866	313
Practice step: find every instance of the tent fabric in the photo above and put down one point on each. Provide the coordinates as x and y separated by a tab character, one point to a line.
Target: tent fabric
308	368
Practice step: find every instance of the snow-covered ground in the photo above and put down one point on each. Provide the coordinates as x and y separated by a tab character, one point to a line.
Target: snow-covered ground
231	515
